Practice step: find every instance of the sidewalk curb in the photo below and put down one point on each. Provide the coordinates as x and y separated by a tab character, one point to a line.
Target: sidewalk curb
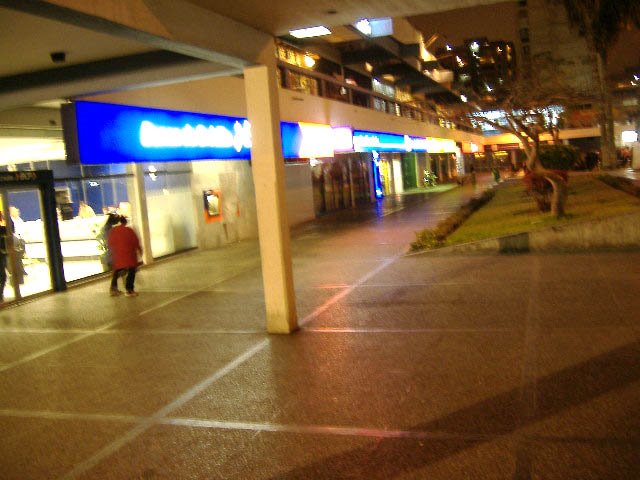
621	232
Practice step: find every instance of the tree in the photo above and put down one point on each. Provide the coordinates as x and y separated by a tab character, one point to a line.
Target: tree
600	22
529	107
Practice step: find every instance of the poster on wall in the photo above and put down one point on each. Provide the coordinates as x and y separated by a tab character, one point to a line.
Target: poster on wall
212	205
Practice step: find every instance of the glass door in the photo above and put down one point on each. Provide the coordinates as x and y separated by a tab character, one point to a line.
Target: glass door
23	246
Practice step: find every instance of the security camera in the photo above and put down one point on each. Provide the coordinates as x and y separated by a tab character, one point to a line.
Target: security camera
58	57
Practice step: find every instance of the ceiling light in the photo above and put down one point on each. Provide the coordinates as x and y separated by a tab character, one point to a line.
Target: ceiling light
368	67
463	98
309	61
363	26
375	27
317	31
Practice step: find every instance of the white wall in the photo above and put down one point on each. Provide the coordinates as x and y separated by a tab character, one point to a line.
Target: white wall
299	188
239	218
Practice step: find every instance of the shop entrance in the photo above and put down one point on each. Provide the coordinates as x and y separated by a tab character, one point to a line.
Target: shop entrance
30	258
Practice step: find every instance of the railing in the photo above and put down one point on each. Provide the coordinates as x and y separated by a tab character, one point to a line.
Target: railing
296	78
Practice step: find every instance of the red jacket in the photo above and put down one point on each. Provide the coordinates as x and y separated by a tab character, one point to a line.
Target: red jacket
125	246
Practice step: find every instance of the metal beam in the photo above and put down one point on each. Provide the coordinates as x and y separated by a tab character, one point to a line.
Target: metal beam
84	71
187	38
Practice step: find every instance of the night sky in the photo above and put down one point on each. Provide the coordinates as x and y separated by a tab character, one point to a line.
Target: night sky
499	22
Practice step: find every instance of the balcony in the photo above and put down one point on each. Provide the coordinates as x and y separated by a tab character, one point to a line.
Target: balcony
300	79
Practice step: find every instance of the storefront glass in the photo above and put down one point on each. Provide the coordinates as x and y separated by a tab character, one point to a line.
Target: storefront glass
83	205
24	253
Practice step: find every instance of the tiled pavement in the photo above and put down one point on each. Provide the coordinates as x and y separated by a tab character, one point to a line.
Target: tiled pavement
419	367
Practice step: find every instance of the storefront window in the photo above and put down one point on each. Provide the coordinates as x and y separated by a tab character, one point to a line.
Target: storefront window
83	204
336	92
360	99
379	104
302	83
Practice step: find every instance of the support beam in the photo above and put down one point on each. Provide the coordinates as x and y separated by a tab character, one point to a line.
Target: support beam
174	25
268	176
142	213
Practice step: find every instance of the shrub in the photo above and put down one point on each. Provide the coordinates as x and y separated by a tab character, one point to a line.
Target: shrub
434	238
558	157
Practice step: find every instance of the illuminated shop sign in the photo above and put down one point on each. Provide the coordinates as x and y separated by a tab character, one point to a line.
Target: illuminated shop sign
306	140
364	141
108	133
342	139
440	145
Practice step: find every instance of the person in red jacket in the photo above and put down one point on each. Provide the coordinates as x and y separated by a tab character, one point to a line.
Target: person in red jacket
125	248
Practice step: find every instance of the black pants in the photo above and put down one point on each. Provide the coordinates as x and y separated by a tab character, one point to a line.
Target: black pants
129	281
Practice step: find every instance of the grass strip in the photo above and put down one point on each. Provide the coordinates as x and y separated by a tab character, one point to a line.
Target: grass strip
512	211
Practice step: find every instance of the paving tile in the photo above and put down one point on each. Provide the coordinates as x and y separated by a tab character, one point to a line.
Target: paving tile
225	310
444	382
426	306
563	304
17	345
457	269
198	453
52	447
118	373
585	460
587	384
421	316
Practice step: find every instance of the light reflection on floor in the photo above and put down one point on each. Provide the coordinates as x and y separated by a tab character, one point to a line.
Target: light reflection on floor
38	278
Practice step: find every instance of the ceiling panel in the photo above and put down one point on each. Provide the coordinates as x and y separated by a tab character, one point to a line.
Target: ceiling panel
26	42
279	16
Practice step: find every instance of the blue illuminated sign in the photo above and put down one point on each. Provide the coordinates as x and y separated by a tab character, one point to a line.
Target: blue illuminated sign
291	139
108	133
364	141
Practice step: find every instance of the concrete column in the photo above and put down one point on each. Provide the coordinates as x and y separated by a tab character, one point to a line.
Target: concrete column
635	159
351	187
268	176
141	213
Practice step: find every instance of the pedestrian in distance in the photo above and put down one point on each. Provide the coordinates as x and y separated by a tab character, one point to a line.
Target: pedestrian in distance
125	249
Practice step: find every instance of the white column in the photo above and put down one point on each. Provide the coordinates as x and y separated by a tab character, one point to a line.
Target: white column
268	176
635	159
141	213
351	185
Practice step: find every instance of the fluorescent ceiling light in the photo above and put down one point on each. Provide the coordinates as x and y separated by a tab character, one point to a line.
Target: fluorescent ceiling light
376	27
310	32
629	136
363	26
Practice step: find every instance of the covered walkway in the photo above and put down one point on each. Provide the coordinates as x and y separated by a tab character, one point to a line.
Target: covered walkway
408	367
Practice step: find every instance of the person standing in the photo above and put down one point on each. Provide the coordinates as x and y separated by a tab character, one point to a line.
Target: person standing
103	239
125	248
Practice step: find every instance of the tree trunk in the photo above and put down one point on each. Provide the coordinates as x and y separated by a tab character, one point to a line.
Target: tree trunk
608	147
560	193
560	190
